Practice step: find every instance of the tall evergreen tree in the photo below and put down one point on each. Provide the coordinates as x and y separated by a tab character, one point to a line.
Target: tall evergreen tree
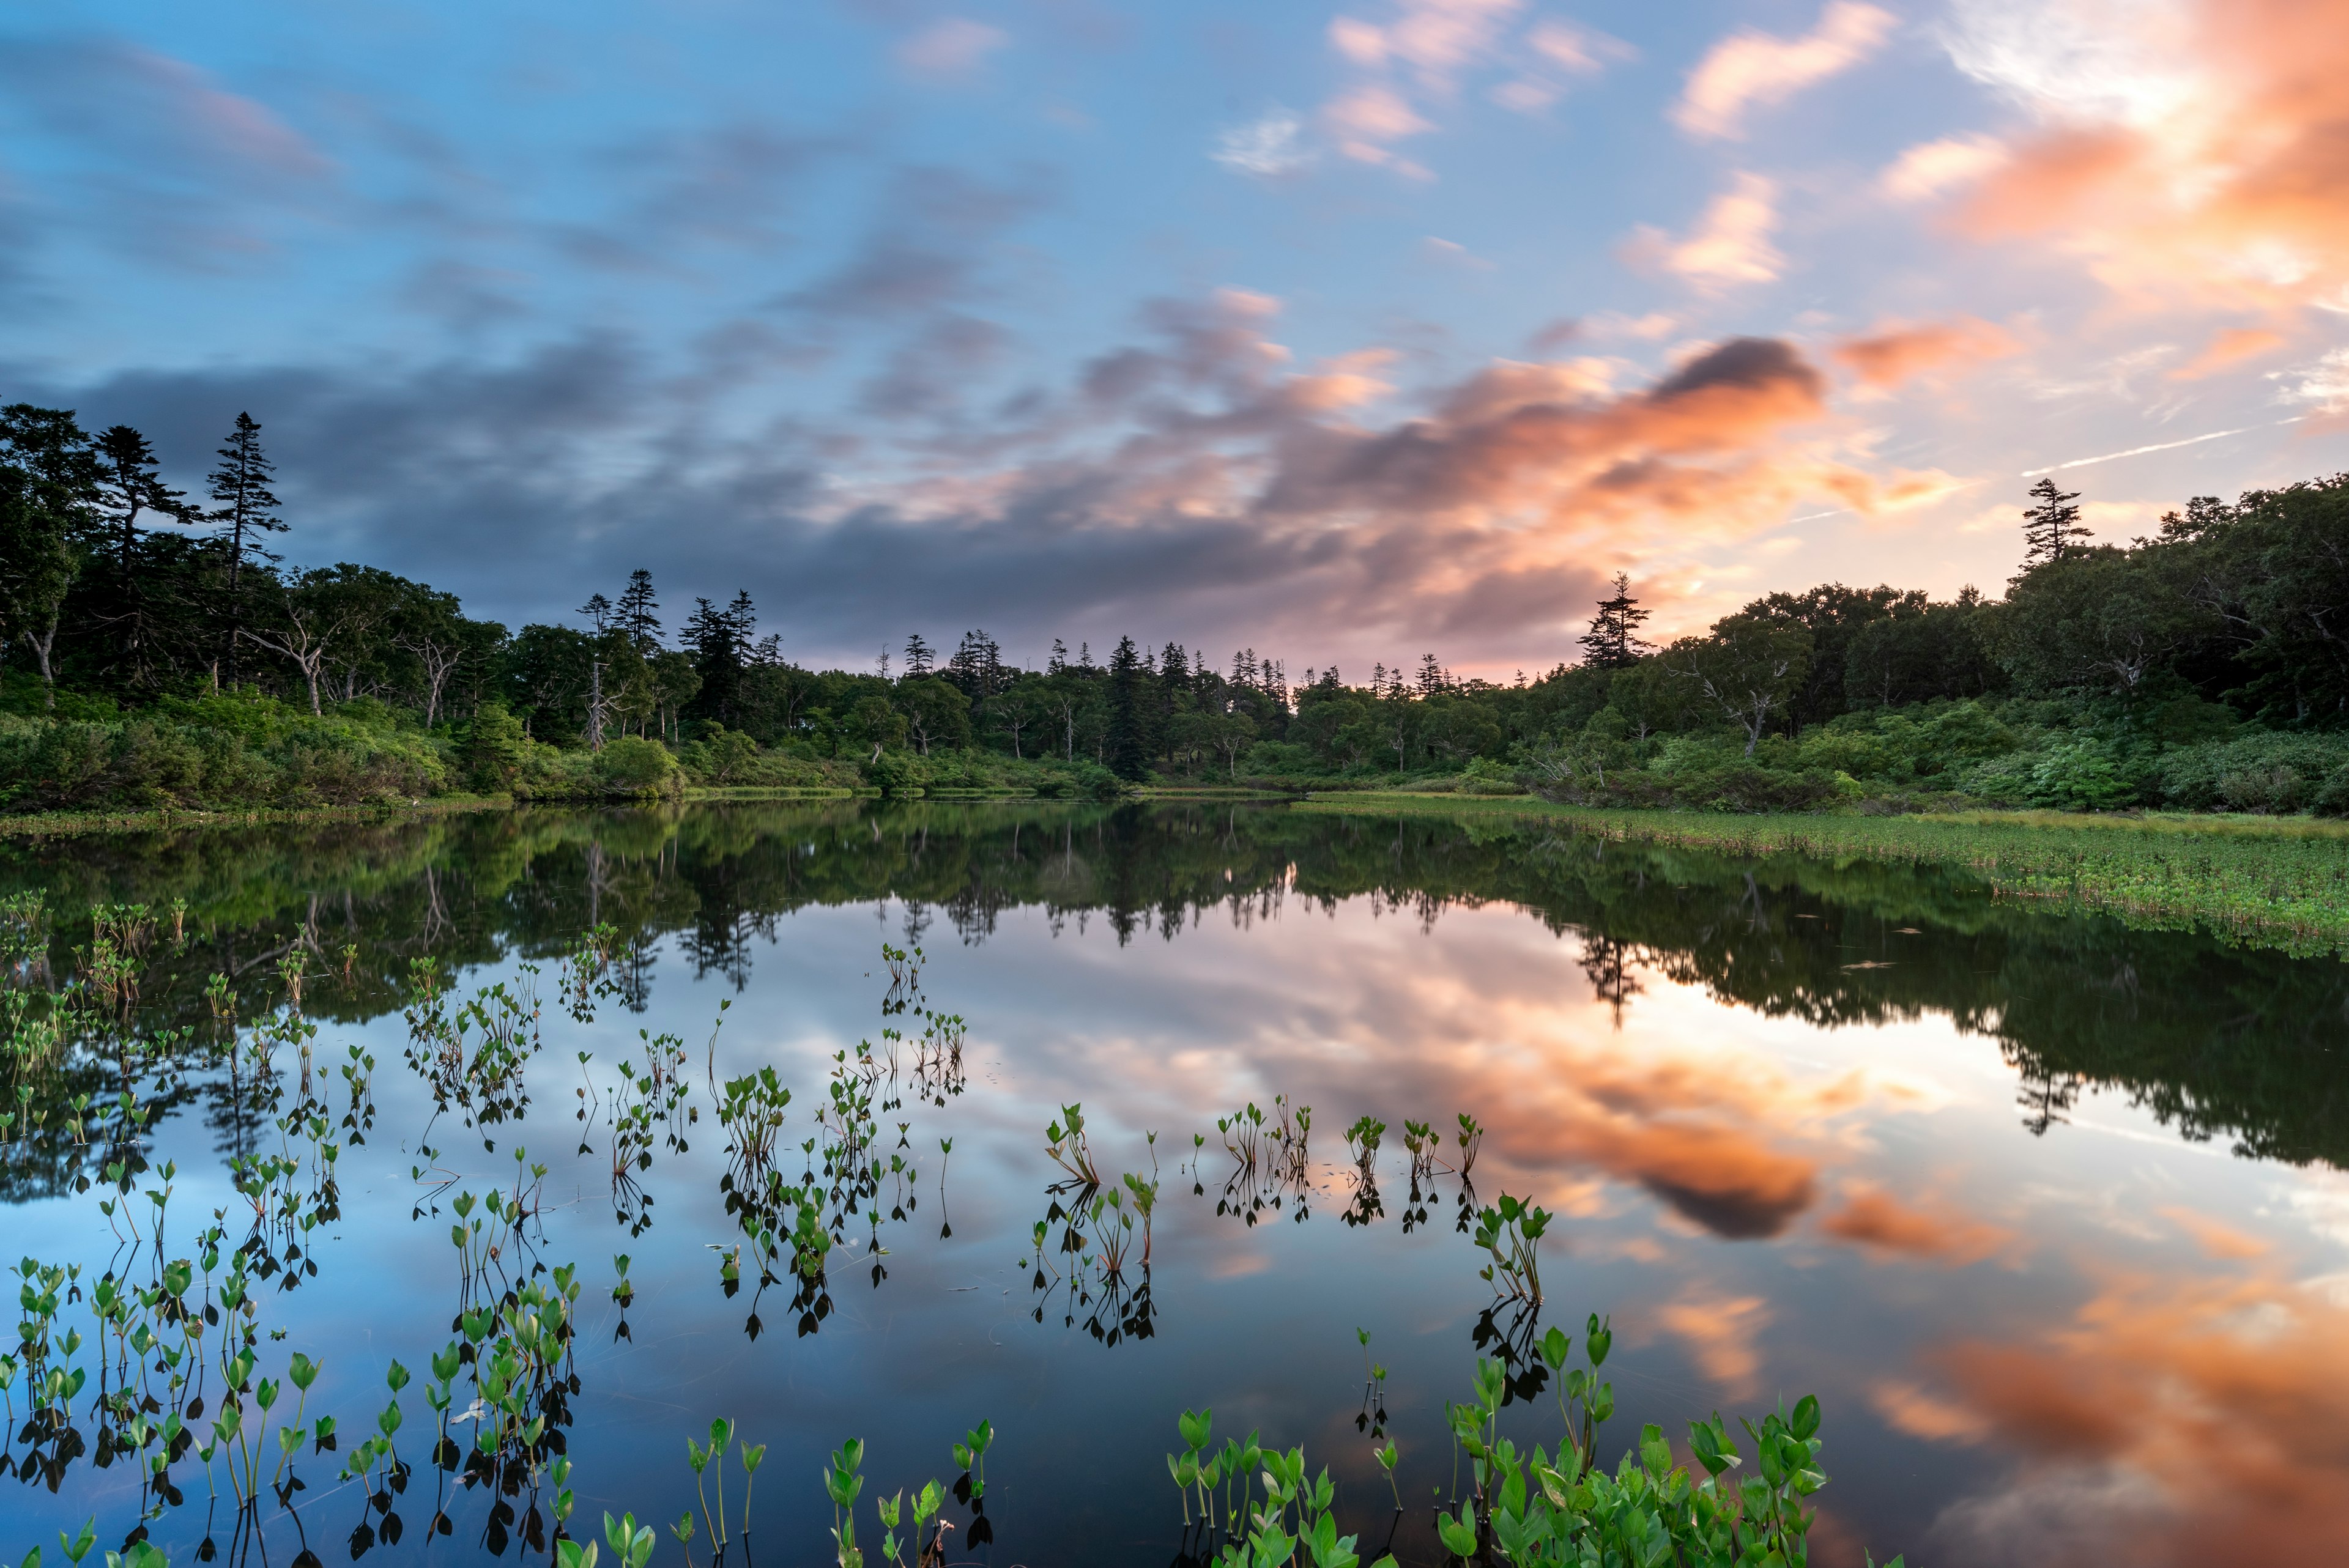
634	613
130	482
1613	641
244	510
920	657
598	611
48	480
1127	741
2051	529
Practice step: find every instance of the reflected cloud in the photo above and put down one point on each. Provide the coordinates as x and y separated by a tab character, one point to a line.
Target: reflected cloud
2169	1422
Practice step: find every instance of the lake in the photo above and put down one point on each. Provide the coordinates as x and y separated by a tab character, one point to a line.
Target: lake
2048	1213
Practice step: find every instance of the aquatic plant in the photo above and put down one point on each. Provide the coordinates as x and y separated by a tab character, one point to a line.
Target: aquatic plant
1511	1232
1069	1151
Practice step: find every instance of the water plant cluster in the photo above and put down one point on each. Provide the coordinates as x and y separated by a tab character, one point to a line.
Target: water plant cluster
165	1357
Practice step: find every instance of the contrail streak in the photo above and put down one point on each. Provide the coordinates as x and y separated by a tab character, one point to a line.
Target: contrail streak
2157	447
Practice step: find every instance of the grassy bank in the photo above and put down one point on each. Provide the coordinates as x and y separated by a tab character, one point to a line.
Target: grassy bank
2276	881
59	824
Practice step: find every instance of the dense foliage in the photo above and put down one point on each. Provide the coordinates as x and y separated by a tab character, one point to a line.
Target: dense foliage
159	655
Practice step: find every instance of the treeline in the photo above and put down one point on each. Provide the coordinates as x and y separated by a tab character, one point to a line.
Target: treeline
159	650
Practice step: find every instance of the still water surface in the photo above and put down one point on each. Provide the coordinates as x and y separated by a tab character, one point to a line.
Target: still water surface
2048	1213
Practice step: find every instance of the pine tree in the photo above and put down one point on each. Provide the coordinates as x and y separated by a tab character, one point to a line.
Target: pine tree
1430	675
1613	641
598	611
1127	741
2051	529
129	483
918	657
634	613
245	507
1057	665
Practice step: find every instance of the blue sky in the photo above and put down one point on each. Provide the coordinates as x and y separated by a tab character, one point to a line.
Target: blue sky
1346	331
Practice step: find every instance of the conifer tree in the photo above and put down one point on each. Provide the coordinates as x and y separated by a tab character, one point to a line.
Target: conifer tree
128	484
918	657
634	613
1127	740
2051	529
598	611
245	510
1613	641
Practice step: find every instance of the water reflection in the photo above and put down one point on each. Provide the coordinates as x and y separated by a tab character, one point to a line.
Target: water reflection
1731	1081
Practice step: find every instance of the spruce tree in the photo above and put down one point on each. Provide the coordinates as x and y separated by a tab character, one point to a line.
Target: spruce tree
1127	741
129	483
635	609
244	510
918	657
1613	641
2051	529
598	611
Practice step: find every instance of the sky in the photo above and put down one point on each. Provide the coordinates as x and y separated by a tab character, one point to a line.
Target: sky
1343	333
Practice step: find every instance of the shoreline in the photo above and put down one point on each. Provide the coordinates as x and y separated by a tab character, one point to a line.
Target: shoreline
2281	882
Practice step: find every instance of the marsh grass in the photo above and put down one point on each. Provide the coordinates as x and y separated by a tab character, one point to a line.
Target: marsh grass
2280	882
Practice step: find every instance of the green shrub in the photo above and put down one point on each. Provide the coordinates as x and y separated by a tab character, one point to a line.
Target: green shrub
2263	771
494	749
263	758
892	773
633	764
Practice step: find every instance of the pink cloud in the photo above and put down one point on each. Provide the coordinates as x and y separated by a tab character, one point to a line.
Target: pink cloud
949	47
1749	67
1730	244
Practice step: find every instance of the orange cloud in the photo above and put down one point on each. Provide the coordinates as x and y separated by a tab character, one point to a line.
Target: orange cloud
1751	68
1894	352
2199	150
1873	1219
2230	346
2169	1422
1720	1333
1730	244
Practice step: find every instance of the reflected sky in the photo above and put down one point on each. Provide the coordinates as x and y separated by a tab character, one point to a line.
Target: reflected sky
1805	1132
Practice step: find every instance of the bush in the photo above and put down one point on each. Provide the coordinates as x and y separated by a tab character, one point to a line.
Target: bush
631	765
494	749
892	773
265	755
2264	771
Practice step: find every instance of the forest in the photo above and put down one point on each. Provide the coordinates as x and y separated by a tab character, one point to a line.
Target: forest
160	653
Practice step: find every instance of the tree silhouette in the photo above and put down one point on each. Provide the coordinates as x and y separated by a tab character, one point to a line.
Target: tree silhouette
2051	529
634	613
1613	641
245	510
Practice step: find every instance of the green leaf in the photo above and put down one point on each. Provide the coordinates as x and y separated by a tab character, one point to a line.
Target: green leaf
1806	1419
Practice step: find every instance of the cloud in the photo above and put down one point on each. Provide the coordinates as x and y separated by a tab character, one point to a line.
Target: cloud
1193	474
168	163
1367	117
2185	150
1932	169
950	48
1561	51
1720	1332
1416	61
2171	1420
2231	346
1882	1223
1730	244
2324	383
1268	147
1893	351
1749	67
